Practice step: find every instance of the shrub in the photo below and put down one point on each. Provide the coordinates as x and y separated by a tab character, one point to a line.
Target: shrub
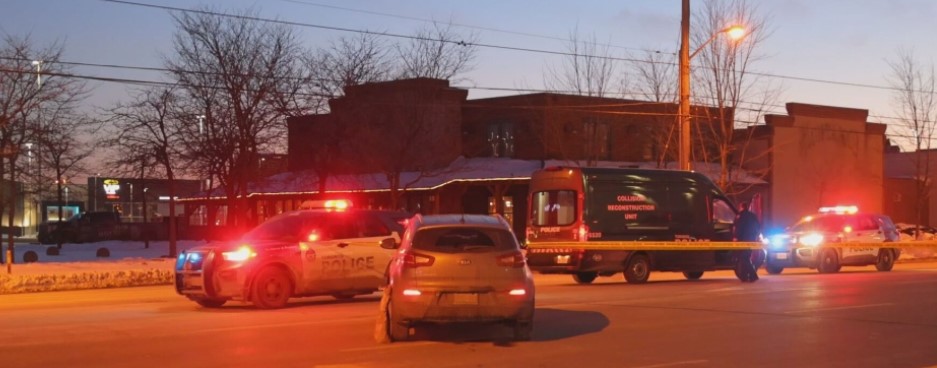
103	252
30	257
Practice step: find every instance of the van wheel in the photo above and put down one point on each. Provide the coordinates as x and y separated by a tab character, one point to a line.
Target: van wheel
272	289
585	277
693	275
885	261
829	262
396	328
773	270
638	269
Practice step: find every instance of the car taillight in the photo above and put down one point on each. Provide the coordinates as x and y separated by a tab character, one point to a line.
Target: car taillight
414	260
517	292
412	292
513	259
240	255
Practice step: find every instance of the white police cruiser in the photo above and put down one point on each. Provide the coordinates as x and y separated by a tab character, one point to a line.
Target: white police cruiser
808	242
334	251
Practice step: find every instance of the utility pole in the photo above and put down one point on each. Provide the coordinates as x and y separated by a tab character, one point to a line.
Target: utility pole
685	145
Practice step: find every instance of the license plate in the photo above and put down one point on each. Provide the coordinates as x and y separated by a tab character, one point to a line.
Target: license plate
780	256
465	298
562	259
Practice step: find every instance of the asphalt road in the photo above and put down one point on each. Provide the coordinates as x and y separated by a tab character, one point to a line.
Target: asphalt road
857	318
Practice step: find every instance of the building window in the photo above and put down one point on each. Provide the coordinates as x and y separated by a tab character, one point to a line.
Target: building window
507	204
501	139
597	134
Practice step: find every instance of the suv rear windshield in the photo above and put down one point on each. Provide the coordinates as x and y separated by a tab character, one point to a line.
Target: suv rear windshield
553	208
464	239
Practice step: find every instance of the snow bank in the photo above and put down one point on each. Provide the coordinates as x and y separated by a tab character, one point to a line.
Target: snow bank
78	267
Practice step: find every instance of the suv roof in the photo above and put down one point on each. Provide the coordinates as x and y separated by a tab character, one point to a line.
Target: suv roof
460	219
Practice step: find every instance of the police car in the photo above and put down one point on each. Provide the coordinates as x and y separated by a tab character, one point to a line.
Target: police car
332	250
806	243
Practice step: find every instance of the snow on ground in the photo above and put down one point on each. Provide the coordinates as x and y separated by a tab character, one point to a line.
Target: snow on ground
78	267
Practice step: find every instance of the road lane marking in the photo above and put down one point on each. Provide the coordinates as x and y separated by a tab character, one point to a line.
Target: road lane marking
840	308
674	364
389	346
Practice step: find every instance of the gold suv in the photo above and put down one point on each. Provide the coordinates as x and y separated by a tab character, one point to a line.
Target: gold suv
459	268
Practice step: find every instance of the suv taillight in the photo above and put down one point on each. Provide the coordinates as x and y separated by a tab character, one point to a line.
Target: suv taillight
513	259
413	260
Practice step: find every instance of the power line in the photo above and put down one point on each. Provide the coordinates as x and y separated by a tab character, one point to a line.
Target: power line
781	109
483	45
490	29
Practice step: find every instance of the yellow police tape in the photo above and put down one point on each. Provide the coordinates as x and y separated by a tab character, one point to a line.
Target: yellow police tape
708	245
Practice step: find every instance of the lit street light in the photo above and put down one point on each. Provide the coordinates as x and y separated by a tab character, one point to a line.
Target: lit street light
201	119
735	32
39	210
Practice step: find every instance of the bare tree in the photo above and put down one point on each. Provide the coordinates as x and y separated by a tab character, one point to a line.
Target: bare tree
437	52
916	107
148	136
243	76
587	71
29	84
723	80
349	61
64	152
656	80
394	133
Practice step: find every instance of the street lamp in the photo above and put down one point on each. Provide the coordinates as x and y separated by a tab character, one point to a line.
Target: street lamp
201	118
735	32
39	210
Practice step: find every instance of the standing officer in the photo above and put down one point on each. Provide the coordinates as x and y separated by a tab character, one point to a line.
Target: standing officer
747	229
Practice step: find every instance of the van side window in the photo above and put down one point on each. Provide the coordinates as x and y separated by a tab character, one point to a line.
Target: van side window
722	212
553	208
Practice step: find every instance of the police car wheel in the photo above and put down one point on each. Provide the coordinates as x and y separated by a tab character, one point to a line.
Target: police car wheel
885	261
396	328
638	269
210	303
773	270
693	275
829	263
585	277
271	289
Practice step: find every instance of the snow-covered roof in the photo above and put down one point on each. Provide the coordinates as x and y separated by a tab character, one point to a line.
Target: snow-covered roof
461	170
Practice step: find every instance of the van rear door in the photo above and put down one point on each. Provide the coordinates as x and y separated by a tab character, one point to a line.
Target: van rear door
553	215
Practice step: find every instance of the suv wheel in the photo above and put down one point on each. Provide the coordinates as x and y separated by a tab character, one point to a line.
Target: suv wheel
396	328
829	262
585	277
523	330
773	270
885	261
638	269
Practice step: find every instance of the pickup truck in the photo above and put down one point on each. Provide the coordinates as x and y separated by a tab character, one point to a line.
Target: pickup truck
81	228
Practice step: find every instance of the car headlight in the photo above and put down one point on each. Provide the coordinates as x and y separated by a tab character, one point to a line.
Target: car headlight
811	240
240	255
